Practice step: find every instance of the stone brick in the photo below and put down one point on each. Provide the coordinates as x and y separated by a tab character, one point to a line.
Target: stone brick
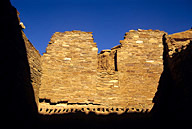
34	59
69	67
123	77
140	69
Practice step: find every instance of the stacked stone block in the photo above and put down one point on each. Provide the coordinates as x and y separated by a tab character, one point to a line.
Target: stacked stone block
107	91
140	64
178	41
124	77
69	68
34	59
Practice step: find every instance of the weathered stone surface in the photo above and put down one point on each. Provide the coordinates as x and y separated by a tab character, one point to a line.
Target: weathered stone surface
140	64
69	68
17	95
34	59
182	35
124	77
174	91
178	41
21	73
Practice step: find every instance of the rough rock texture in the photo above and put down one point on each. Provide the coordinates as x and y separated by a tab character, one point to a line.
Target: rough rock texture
107	78
140	64
34	59
21	72
178	41
124	77
69	68
17	95
173	97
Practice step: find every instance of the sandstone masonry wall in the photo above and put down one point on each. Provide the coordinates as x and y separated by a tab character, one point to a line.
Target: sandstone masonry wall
69	68
178	42
107	79
34	59
140	65
125	77
18	104
173	97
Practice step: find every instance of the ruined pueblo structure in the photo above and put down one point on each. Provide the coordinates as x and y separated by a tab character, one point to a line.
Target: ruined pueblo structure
143	82
71	76
124	78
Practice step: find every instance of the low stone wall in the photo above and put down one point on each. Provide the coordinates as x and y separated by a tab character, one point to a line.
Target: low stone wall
45	108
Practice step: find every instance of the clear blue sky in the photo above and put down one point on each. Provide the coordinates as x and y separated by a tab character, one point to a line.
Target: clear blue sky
107	19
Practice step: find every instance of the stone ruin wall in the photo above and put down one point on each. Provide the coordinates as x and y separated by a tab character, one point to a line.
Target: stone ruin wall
140	65
107	79
173	96
113	68
178	53
69	68
178	42
34	59
179	62
124	78
71	76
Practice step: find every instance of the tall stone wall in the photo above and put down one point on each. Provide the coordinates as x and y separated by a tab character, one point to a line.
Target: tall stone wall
174	97
140	64
34	59
18	105
126	76
69	68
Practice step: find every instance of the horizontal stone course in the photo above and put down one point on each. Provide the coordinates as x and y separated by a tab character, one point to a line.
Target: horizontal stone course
125	77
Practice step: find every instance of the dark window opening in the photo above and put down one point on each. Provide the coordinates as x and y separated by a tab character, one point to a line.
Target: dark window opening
115	61
50	110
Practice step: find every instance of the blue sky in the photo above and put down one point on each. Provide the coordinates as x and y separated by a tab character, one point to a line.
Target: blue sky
107	19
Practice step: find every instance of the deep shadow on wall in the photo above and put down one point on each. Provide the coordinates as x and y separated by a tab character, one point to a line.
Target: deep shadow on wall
18	107
173	99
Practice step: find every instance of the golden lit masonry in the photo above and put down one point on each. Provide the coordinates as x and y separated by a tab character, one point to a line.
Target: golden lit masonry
123	79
